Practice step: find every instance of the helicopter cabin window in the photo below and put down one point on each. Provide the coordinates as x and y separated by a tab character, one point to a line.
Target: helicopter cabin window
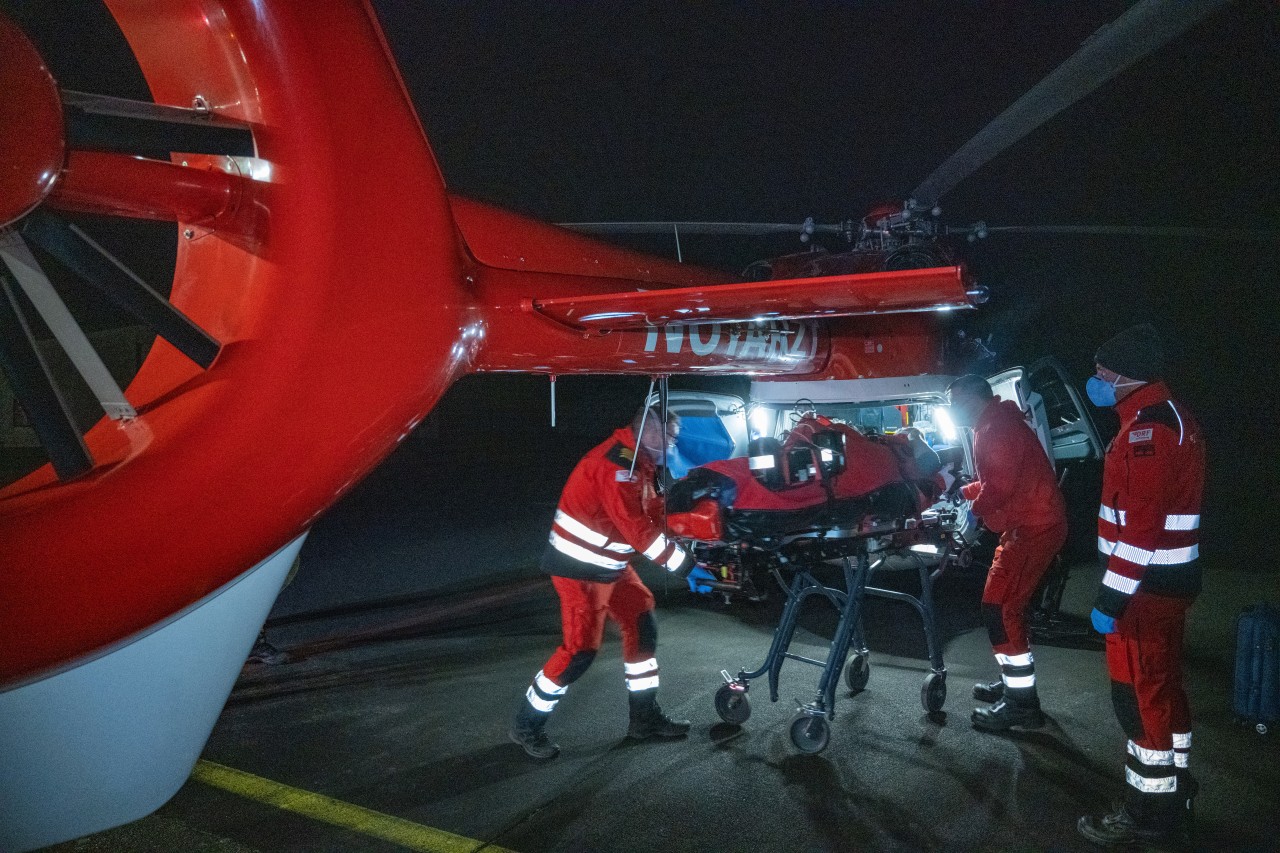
882	418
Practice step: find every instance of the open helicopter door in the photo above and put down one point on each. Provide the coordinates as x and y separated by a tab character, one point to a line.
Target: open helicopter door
712	426
1053	408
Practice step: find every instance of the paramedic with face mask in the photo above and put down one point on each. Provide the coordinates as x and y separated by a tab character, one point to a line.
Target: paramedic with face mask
600	527
1148	533
1016	495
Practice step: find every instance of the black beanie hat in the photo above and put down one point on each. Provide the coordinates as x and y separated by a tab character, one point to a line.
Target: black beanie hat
1136	353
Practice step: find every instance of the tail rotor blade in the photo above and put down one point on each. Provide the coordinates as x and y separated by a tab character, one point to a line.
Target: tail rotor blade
99	268
34	386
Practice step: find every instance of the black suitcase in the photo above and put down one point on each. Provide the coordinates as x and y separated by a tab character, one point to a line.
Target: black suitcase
1257	688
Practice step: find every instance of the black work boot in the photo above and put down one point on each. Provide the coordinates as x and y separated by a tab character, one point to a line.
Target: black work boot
1010	712
647	719
989	691
1115	829
527	731
1143	819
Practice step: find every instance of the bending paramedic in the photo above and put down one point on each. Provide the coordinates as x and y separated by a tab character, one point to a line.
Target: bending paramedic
1016	495
600	527
1148	534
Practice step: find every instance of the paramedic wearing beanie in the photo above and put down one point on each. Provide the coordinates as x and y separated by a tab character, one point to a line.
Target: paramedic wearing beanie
600	527
1148	533
1016	495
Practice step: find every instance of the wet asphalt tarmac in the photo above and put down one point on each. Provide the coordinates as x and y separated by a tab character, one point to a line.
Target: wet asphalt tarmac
415	625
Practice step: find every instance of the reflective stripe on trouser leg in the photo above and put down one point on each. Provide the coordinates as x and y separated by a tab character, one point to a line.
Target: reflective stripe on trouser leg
1018	672
642	675
543	693
1181	749
1151	794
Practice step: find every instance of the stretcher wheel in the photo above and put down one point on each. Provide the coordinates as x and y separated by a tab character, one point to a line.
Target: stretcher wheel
933	693
810	733
857	673
732	705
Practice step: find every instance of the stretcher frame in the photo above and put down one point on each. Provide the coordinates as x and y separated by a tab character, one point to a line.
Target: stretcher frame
859	553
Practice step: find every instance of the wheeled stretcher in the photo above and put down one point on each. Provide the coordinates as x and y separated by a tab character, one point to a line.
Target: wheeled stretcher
800	535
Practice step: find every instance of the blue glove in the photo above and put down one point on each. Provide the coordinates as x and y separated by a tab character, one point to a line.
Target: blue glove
1102	623
700	574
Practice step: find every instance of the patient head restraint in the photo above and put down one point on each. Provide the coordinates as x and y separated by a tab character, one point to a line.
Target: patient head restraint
765	458
829	444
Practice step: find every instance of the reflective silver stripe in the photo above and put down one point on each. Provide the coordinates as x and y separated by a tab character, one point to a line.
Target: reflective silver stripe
640	668
538	702
1124	518
620	547
761	463
1143	557
1180	759
636	684
1163	785
1182	740
577	528
577	552
1024	659
546	685
656	548
1175	556
1106	513
676	560
1181	430
1150	757
1019	681
1132	553
1119	582
1181	522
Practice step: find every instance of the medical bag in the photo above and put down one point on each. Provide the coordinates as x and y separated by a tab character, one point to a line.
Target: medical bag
1257	687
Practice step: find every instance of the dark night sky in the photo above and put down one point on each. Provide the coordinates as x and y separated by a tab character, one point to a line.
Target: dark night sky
774	112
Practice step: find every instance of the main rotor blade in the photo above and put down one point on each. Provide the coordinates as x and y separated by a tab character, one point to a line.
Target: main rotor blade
1147	26
749	229
1142	231
96	266
104	123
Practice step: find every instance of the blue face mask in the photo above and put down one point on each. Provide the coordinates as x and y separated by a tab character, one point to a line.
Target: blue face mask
1100	392
1103	393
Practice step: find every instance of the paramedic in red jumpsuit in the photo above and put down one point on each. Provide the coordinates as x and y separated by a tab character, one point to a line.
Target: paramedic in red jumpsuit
1148	533
1016	495
600	527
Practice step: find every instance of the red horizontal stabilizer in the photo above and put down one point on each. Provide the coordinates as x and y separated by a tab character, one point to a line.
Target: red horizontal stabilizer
937	289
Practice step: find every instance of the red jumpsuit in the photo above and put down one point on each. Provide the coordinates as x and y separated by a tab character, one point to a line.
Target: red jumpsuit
1016	495
1148	534
600	526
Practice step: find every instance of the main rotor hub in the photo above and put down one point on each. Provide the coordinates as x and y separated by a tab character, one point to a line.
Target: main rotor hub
32	136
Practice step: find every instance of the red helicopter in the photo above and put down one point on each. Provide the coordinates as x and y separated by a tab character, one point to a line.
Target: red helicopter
328	289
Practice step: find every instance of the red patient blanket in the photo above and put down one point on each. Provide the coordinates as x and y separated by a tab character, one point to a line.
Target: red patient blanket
855	478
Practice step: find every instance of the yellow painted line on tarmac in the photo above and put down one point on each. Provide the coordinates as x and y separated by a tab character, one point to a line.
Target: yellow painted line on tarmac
410	835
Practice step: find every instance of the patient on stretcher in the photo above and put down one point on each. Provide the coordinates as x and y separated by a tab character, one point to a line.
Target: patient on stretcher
826	476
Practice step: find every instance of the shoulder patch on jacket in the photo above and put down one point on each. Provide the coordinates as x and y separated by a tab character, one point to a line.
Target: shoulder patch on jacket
1136	435
620	455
